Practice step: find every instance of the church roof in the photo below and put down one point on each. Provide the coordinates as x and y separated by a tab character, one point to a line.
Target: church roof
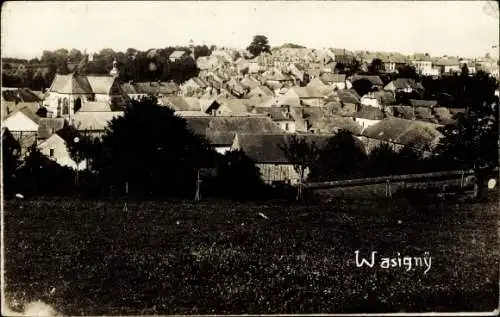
71	84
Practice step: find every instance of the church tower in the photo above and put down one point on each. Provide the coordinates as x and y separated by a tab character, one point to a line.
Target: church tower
115	72
191	48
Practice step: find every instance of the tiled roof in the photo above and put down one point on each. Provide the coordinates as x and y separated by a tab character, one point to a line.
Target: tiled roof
375	80
348	96
367	112
267	148
423	103
96	121
95	106
71	84
101	84
49	126
403	132
20	95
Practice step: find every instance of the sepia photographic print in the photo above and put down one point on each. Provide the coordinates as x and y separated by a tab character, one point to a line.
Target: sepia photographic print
250	158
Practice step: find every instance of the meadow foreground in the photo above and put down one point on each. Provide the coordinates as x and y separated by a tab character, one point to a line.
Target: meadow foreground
92	257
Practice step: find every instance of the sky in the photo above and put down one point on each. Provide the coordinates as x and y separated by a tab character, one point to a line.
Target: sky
458	28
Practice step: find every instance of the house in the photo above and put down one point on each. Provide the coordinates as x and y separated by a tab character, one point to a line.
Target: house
193	85
349	98
250	82
178	55
49	126
309	96
94	124
406	85
320	120
281	116
266	151
374	79
393	62
368	116
180	103
423	67
298	71
449	65
23	125
259	92
371	100
55	148
236	88
423	103
337	55
220	130
398	133
15	99
233	107
158	89
338	81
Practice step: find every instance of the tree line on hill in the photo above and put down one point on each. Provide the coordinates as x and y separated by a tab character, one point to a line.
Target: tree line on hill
150	152
133	64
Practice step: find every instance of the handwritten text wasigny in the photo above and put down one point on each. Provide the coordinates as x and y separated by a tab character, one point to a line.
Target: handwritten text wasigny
398	261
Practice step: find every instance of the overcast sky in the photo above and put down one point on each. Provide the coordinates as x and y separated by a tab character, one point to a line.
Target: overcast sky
436	27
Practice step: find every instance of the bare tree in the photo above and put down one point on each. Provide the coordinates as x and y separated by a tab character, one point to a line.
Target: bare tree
302	154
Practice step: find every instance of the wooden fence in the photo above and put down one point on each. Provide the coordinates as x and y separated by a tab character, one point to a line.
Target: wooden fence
463	175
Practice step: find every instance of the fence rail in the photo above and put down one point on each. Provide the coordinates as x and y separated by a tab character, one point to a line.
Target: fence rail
391	178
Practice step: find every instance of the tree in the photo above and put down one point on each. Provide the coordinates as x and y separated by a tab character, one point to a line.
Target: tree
302	154
382	161
376	66
259	45
152	150
407	71
473	141
10	161
237	171
78	150
342	157
362	86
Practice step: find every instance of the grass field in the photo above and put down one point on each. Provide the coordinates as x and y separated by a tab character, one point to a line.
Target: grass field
92	257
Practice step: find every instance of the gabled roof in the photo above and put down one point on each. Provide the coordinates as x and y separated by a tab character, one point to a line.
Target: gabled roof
94	121
179	103
307	92
49	126
177	54
279	114
375	80
423	103
250	82
266	148
71	84
332	78
222	129
402	83
101	84
404	132
367	112
348	96
262	90
20	95
236	106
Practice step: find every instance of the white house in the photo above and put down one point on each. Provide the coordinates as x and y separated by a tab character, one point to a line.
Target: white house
371	100
55	149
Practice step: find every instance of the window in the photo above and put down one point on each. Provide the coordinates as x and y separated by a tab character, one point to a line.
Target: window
51	152
65	106
286	126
